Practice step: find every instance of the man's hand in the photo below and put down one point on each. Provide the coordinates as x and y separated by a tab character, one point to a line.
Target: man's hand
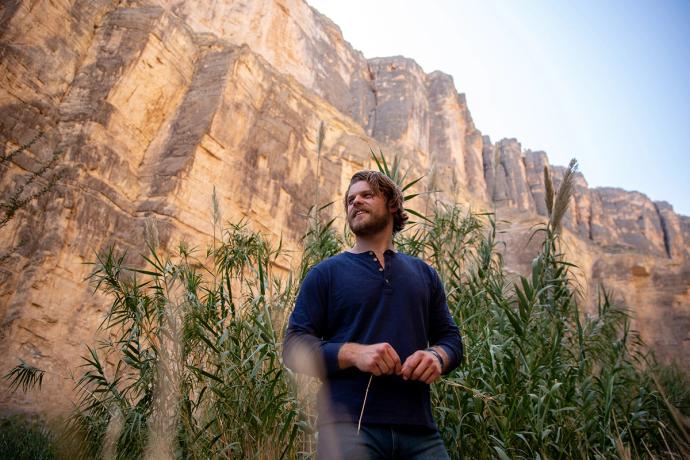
423	366
377	359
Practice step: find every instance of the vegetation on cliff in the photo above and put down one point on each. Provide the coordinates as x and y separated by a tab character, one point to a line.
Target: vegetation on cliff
191	367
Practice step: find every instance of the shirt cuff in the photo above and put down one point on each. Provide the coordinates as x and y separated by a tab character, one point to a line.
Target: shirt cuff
330	356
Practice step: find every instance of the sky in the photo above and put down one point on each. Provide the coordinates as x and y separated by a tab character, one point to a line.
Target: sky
606	82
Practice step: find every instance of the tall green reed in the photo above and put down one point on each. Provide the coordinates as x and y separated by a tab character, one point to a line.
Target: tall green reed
541	379
195	347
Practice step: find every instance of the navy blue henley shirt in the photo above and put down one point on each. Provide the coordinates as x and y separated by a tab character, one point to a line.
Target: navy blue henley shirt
351	298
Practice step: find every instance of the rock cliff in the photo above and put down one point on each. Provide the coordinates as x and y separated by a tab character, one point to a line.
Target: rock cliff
153	104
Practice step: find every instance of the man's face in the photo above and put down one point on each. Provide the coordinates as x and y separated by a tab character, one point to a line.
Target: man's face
367	213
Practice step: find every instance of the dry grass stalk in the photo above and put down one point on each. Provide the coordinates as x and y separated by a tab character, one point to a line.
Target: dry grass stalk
165	414
496	153
112	434
364	403
677	416
319	145
622	449
548	183
478	394
563	195
151	233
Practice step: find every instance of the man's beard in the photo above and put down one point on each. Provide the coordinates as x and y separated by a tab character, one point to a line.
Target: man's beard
370	225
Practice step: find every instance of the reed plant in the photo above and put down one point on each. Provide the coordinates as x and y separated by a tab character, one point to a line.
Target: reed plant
197	371
23	438
541	379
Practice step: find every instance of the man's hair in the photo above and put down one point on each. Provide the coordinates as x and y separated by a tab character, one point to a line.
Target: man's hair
382	184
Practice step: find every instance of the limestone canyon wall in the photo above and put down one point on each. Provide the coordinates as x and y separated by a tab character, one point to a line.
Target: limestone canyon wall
153	104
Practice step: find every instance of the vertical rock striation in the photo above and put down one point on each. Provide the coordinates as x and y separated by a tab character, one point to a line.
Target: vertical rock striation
423	114
506	175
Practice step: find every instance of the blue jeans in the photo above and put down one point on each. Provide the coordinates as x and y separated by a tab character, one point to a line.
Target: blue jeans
340	441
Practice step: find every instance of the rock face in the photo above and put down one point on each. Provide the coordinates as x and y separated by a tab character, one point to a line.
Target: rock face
154	104
425	117
295	40
506	175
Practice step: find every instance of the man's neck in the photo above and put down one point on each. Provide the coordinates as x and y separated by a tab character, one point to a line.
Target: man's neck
379	243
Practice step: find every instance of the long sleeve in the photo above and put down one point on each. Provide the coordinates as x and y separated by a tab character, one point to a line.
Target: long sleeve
443	330
304	348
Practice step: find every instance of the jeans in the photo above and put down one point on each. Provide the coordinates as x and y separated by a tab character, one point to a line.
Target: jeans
340	441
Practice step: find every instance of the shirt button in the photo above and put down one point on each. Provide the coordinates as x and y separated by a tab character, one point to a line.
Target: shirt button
381	269
371	253
387	282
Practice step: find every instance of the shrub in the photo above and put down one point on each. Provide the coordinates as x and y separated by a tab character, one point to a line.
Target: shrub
24	439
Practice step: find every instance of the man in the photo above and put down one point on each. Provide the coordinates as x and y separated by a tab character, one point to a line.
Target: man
374	325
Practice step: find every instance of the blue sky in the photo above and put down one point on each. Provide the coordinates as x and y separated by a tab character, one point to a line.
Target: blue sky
606	82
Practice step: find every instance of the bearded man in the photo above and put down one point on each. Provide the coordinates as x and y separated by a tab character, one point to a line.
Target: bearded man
374	325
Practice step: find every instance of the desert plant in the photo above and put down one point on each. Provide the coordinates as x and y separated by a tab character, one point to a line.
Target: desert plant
541	380
24	376
225	367
22	438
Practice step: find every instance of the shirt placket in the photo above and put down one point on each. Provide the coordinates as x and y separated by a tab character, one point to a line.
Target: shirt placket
384	272
387	273
375	260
